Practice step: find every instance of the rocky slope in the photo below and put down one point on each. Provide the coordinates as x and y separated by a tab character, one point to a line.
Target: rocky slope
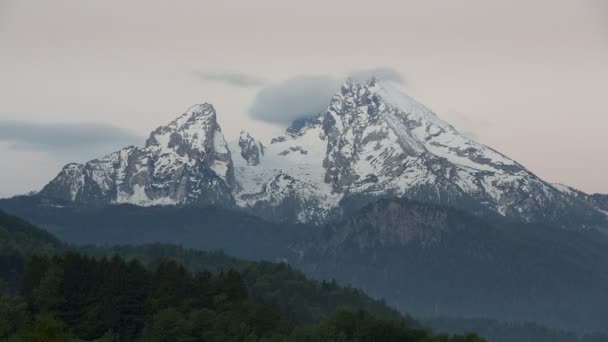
433	260
187	161
372	142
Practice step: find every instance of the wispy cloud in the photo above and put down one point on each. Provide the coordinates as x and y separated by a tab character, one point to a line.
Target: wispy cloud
235	79
304	96
74	139
292	99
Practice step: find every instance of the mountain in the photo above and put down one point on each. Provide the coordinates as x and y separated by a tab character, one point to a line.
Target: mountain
376	191
184	162
372	142
435	260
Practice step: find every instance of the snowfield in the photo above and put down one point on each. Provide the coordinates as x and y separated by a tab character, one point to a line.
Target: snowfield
372	141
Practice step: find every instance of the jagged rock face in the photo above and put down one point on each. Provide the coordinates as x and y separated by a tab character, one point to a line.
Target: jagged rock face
376	142
287	183
389	223
372	142
187	161
416	255
68	184
382	141
251	149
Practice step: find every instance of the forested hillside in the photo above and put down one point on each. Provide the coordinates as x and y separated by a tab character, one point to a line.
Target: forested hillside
18	239
308	307
71	297
307	301
56	293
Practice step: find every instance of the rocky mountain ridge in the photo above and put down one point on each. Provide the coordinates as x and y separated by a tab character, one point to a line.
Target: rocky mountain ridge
434	260
185	161
372	142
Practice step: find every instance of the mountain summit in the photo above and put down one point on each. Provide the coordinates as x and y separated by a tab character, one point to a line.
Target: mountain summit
182	162
372	142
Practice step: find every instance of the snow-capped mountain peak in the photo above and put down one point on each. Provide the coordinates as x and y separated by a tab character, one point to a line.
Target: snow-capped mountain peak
186	161
373	141
195	128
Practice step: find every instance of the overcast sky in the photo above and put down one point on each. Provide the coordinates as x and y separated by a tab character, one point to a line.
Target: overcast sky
81	78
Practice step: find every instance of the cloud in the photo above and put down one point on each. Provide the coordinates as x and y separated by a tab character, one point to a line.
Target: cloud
295	98
73	139
303	96
234	79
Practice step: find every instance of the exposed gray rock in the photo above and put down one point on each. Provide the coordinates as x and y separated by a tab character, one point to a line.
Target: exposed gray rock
372	142
187	161
251	149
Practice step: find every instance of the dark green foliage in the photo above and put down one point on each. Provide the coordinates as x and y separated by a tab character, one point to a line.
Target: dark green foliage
18	324
152	254
360	326
94	297
17	235
17	239
495	331
307	301
13	314
74	296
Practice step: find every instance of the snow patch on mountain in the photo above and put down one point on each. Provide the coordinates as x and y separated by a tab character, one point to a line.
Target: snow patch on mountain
180	163
373	141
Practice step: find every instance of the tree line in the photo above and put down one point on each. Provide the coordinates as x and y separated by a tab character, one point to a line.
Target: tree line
74	297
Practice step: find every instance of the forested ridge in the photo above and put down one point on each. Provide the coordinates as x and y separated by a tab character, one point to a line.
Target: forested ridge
309	301
72	297
167	293
17	240
283	277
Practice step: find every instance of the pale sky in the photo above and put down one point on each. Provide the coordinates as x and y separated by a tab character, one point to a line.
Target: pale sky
79	79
